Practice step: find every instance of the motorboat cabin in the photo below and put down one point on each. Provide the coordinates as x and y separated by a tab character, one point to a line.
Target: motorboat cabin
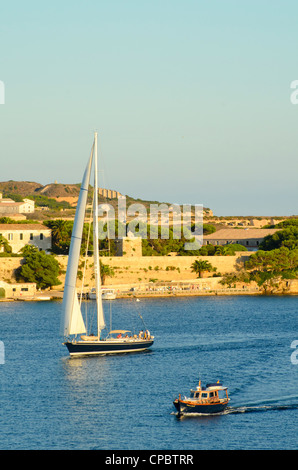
208	400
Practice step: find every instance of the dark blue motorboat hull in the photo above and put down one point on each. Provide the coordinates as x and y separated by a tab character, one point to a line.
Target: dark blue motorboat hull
186	408
82	348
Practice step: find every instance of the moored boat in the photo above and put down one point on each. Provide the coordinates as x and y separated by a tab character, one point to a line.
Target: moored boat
106	294
203	400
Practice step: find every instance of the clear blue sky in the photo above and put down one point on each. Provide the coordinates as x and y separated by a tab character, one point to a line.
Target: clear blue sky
191	99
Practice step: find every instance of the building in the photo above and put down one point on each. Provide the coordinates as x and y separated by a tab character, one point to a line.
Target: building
109	193
10	207
248	237
17	290
19	235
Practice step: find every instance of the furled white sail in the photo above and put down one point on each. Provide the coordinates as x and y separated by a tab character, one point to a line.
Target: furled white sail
100	314
70	305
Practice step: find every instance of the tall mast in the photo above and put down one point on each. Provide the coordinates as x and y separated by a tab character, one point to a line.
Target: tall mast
70	296
100	316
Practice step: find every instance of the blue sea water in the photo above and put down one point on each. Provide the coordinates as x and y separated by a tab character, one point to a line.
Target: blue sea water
124	402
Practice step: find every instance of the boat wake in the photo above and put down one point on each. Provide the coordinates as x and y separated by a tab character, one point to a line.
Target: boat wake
259	408
256	407
266	405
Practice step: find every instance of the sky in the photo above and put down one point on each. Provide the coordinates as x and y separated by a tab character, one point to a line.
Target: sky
191	100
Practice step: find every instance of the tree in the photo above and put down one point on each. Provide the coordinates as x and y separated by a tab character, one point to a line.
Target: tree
208	229
5	245
287	237
61	235
200	266
274	261
105	271
39	267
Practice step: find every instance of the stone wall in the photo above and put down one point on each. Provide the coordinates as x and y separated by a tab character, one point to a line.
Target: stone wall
131	271
8	267
158	268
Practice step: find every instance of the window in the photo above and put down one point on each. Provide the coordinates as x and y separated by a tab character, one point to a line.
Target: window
31	236
41	236
247	242
204	395
21	236
10	236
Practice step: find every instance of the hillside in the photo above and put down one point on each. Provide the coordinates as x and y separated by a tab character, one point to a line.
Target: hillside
57	190
63	192
22	188
26	188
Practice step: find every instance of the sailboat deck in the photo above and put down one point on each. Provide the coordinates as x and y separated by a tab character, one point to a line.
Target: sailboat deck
95	339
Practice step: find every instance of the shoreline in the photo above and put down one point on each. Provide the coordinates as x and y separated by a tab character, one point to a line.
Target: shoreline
58	295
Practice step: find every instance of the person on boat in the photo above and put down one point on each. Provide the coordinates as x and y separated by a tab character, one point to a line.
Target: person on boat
141	334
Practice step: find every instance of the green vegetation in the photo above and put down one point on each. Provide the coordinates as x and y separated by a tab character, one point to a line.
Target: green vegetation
156	241
4	245
221	250
8	220
276	259
105	271
200	267
293	222
44	201
61	236
39	267
287	238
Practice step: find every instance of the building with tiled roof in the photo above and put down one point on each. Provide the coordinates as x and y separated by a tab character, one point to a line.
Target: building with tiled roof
10	207
19	235
248	237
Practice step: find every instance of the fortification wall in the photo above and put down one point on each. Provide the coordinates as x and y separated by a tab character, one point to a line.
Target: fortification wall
159	268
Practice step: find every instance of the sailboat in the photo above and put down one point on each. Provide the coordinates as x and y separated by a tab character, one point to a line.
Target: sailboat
73	327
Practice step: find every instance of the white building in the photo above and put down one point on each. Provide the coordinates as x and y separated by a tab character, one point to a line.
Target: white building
19	235
8	206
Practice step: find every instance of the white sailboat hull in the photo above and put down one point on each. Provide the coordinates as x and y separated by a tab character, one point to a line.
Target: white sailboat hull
104	295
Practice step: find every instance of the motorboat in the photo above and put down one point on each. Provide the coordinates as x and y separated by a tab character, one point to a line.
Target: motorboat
211	399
